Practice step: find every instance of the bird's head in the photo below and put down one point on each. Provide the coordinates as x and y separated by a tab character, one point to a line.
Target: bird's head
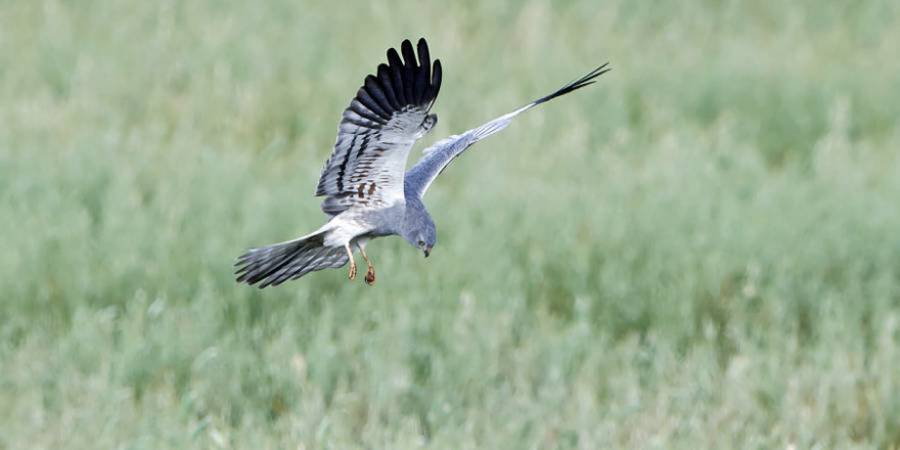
419	229
426	239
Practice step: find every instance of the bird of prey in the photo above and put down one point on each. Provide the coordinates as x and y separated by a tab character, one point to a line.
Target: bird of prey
367	195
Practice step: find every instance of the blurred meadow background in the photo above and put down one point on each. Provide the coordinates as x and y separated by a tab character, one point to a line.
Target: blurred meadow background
700	251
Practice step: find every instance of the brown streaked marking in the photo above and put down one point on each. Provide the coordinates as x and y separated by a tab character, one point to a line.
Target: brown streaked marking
371	188
360	188
343	166
362	147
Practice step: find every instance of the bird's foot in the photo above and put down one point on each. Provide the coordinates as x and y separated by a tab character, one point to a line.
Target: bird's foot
352	274
370	276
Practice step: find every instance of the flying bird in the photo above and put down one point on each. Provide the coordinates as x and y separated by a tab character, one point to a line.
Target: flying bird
367	195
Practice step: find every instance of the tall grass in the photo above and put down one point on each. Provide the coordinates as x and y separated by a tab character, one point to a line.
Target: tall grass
700	251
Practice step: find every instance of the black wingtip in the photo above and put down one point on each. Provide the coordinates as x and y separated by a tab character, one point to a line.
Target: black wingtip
588	79
409	56
409	78
435	86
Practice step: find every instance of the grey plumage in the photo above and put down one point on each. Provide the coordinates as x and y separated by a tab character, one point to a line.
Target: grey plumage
378	129
368	195
442	153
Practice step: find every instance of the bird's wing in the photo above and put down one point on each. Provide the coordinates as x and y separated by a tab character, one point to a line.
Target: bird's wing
377	130
442	153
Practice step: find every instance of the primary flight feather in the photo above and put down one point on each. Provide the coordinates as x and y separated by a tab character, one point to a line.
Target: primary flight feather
367	194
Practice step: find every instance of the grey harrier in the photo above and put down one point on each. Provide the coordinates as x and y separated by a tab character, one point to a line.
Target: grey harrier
367	194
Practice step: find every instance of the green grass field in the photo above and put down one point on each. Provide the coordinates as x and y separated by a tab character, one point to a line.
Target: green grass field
700	251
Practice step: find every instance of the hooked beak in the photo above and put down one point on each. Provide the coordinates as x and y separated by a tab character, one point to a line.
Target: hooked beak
427	251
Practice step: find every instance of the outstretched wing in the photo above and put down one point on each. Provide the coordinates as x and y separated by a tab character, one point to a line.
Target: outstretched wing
442	153
377	130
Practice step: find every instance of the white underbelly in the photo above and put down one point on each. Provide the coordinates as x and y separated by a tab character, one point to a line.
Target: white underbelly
345	227
355	222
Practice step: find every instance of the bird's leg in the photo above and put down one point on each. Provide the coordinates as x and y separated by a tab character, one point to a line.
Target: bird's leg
352	274
370	272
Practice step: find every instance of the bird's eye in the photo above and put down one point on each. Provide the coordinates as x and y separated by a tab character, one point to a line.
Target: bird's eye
421	243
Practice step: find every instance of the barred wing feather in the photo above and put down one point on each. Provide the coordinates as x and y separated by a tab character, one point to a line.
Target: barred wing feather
378	129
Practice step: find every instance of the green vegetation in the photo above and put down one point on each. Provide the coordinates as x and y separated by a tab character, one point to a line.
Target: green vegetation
700	251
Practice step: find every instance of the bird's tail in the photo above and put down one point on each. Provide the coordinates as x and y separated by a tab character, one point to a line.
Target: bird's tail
277	263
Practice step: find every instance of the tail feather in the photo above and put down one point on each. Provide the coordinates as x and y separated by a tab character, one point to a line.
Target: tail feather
275	264
262	262
276	275
331	258
299	266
